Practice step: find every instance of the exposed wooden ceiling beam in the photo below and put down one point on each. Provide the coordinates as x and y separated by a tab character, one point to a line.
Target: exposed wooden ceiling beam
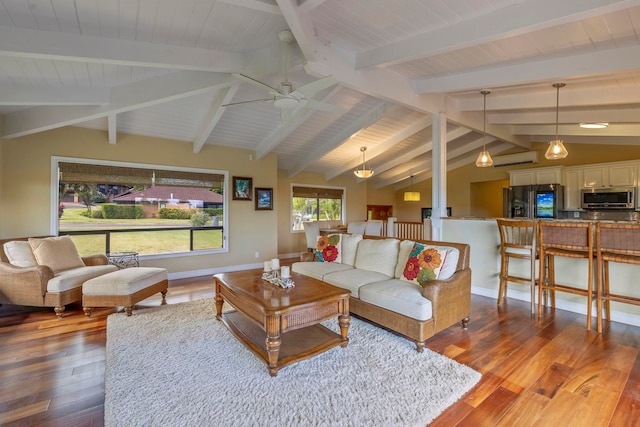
223	96
519	18
124	98
544	70
26	43
46	95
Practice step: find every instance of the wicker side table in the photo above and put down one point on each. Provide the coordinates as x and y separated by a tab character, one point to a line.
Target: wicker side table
124	259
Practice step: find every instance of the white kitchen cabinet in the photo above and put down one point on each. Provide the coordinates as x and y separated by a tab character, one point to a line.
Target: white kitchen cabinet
623	175
550	175
573	184
522	177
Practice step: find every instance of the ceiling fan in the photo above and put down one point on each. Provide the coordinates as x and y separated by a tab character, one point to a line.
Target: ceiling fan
286	97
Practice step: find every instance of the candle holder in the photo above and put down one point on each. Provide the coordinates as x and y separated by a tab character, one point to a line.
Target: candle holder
273	277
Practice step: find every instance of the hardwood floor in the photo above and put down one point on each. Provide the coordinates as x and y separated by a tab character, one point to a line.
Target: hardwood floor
551	372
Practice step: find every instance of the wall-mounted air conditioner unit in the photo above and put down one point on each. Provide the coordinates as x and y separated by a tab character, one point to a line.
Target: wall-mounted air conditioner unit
516	159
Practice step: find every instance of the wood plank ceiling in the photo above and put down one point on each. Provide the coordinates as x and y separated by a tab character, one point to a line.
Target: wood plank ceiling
168	68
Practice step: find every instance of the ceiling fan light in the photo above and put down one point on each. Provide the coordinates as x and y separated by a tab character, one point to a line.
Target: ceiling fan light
556	150
484	159
594	125
285	103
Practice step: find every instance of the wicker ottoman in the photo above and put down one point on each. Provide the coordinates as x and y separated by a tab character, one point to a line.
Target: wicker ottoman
124	287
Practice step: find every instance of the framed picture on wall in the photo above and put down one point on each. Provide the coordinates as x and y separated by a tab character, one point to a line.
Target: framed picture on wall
242	188
426	212
264	199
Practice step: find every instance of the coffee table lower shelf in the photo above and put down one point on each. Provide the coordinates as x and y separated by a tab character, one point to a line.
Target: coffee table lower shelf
297	345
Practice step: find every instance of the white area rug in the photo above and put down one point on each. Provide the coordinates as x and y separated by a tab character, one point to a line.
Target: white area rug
176	365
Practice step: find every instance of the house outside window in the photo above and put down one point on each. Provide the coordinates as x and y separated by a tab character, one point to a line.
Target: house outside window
152	210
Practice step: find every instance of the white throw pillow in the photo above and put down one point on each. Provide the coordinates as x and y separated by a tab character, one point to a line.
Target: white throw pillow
350	247
58	253
19	253
378	255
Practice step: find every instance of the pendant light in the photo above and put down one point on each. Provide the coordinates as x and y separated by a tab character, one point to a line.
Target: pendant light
556	148
364	172
411	196
484	158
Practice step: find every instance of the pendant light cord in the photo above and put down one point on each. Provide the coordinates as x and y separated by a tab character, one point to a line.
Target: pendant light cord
484	119
557	86
557	107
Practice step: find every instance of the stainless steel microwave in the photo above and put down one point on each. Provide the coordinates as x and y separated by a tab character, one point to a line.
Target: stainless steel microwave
609	198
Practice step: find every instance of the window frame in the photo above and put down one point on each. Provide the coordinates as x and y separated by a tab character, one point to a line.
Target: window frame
343	201
53	214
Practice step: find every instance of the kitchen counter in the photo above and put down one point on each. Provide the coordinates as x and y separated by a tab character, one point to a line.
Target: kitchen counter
484	239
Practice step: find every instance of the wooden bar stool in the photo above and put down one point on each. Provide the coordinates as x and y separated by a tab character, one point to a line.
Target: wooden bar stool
615	242
565	239
518	239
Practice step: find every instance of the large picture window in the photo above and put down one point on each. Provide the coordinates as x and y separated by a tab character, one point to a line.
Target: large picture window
121	207
315	204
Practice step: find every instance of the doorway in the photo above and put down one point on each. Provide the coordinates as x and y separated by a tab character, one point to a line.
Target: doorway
382	212
486	198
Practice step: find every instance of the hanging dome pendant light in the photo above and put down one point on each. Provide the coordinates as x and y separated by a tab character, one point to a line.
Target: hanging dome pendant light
364	172
484	159
556	148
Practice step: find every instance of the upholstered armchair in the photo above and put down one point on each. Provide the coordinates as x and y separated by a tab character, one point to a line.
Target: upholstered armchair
26	280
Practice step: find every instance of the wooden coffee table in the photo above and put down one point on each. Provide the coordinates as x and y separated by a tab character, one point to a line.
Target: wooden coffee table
282	326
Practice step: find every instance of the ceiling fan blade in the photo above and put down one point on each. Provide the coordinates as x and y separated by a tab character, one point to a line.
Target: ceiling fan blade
254	82
246	102
310	89
323	106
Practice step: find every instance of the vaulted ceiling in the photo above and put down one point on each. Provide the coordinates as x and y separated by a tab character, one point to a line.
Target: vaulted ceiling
183	69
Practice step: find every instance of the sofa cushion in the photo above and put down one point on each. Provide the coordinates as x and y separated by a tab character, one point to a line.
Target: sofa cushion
75	277
398	296
19	253
350	247
58	253
329	248
378	255
448	268
353	279
317	270
424	264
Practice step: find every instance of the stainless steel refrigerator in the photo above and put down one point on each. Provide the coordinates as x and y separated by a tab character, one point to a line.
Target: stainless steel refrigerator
533	201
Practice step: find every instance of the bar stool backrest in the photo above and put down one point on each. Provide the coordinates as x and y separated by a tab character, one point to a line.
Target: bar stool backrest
567	237
519	236
618	239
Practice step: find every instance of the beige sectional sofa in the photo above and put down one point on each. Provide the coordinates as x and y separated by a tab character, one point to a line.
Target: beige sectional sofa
415	288
52	277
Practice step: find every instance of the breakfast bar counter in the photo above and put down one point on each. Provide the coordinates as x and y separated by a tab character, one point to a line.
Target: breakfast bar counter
484	238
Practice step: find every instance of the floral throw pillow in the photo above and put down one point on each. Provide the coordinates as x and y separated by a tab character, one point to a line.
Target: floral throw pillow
424	264
329	248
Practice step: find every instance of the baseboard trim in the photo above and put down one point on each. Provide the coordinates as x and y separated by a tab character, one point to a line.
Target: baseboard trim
616	316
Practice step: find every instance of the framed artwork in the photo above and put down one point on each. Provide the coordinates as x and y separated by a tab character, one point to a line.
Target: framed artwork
426	212
242	188
264	199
